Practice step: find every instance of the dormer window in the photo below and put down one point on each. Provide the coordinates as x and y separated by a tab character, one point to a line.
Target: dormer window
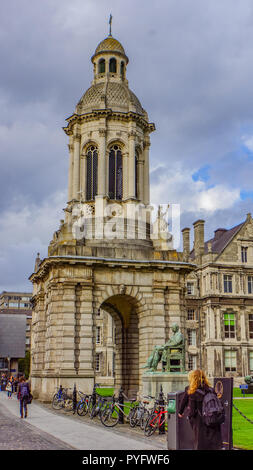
113	66
101	66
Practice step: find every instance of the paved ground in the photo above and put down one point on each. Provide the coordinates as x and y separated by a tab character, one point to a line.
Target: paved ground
46	429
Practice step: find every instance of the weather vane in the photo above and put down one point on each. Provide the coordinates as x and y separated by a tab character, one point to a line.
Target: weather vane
110	23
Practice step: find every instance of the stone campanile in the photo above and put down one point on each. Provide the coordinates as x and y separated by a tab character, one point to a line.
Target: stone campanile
140	284
108	139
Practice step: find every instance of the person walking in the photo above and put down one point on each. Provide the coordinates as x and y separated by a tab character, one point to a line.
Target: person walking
23	396
205	437
9	388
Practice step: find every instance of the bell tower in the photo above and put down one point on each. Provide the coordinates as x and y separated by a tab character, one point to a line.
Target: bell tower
108	138
103	258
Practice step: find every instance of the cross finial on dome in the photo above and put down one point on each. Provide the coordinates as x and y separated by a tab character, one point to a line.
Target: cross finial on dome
110	23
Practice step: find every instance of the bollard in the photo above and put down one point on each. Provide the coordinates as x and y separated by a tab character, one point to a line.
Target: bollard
121	402
161	408
94	395
74	399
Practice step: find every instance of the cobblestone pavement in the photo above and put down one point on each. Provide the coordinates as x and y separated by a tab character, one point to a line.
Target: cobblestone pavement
17	434
47	429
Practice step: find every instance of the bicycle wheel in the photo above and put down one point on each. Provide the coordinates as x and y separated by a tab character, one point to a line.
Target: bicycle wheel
82	408
144	418
132	417
151	424
57	403
68	404
109	417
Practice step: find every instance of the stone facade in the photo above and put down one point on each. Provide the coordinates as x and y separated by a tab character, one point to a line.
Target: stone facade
102	258
219	320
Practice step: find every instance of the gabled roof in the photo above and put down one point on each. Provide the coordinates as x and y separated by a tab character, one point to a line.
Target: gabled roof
221	240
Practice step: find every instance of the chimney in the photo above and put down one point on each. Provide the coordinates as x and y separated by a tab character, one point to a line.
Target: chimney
186	243
199	237
37	263
219	232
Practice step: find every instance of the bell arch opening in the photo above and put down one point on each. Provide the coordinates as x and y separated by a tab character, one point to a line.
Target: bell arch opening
120	358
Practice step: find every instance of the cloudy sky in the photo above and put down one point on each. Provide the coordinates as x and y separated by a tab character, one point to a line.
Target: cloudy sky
190	64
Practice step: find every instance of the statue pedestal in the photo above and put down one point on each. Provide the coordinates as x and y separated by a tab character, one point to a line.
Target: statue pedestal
170	381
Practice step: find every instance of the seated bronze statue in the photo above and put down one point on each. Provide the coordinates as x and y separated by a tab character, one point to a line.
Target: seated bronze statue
159	353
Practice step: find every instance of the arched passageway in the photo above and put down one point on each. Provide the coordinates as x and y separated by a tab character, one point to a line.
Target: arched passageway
122	308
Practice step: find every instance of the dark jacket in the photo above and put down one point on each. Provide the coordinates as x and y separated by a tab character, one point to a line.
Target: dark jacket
23	391
205	437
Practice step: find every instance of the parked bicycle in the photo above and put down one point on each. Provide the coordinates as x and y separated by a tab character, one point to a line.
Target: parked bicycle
100	406
111	414
61	399
140	413
85	404
156	419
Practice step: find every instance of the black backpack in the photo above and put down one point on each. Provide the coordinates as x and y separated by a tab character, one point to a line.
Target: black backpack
213	412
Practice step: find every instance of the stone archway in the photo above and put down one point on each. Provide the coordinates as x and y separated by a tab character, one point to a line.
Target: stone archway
123	309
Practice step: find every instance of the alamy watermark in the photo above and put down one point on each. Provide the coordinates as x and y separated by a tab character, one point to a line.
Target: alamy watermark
130	220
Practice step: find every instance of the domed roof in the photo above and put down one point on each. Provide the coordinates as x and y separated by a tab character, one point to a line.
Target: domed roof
113	95
110	44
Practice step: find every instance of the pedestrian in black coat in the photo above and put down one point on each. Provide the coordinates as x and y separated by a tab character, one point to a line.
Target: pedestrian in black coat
205	437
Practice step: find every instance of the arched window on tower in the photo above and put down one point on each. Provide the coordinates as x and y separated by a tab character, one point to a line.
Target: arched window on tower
101	66
113	65
122	69
92	165
115	173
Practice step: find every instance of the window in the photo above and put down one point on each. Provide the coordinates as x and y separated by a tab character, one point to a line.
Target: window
122	69
229	325
113	66
192	363
251	361
3	363
251	326
97	362
115	173
101	66
189	287
244	254
227	283
13	304
230	361
98	312
190	314
250	284
92	163
98	335
191	337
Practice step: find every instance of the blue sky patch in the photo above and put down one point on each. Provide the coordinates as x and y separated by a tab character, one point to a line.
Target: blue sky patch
202	174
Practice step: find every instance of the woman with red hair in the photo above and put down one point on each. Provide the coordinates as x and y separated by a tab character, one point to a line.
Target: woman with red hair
205	437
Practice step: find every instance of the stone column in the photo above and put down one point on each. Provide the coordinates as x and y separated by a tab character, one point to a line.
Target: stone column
131	166
101	190
218	323
158	312
70	182
87	335
76	167
83	176
243	325
65	334
146	189
125	157
140	182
